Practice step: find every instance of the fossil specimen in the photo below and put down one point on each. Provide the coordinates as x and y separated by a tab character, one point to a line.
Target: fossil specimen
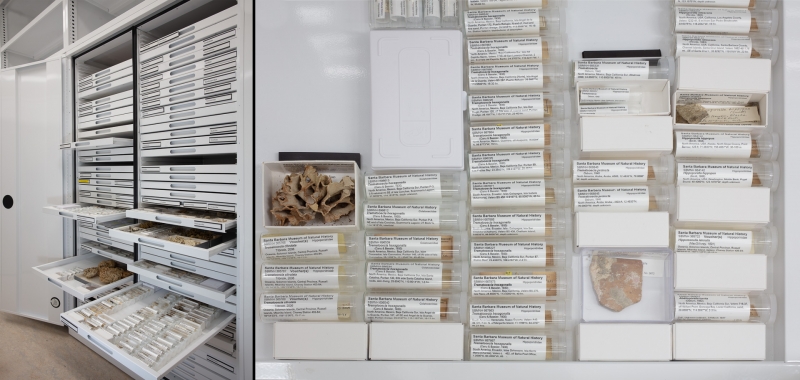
304	195
90	272
617	282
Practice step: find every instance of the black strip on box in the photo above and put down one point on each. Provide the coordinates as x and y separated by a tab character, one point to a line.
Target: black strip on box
319	156
649	53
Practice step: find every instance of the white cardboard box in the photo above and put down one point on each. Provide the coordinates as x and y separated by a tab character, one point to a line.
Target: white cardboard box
320	340
418	99
416	341
655	94
721	98
720	272
622	229
719	341
723	74
624	342
730	206
625	136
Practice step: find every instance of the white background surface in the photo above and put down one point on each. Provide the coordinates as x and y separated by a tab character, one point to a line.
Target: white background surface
312	94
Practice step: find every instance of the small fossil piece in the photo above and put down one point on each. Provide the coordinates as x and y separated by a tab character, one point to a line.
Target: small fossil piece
90	272
692	113
107	264
109	275
146	224
304	195
617	282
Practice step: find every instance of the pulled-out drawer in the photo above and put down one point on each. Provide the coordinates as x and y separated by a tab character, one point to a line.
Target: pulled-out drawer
189	267
84	213
103	202
190	141
107	99
170	99
207	70
185	186
187	55
83	288
121	158
105	72
201	288
88	86
158	237
112	253
191	151
209	33
107	241
106	89
206	169
86	232
107	189
118	131
89	110
200	205
110	176
126	118
106	146
208	121
211	221
208	264
179	110
214	178
202	87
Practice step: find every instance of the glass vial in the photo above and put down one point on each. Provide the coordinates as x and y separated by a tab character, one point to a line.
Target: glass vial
536	163
522	135
512	22
316	307
422	216
518	106
623	69
516	77
331	246
522	253
516	345
413	245
510	313
615	171
547	49
631	198
412	307
725	46
494	223
416	186
739	21
729	174
725	307
398	275
759	241
527	193
727	145
517	282
323	276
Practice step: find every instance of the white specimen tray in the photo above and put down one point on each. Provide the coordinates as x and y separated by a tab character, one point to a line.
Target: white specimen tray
72	211
112	253
158	276
100	338
199	253
118	131
182	217
73	286
106	142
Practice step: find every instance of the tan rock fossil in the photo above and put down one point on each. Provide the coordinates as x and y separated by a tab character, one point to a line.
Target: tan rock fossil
304	195
617	282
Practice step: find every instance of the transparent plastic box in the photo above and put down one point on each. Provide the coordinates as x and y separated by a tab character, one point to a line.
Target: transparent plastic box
412	307
514	313
311	307
527	134
413	245
518	253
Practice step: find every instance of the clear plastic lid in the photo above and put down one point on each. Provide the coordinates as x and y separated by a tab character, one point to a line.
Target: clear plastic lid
547	49
516	345
503	4
759	241
729	174
311	307
495	223
513	22
413	245
518	253
509	77
726	307
727	145
518	106
516	313
327	246
725	46
414	276
538	163
311	277
412	307
414	14
425	186
518	135
763	22
518	282
624	171
623	198
386	215
518	193
752	4
623	69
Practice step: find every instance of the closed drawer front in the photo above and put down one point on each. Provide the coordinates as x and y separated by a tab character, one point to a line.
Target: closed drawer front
229	270
211	33
89	231
106	114
106	122
194	28
182	107
215	178
206	71
125	130
107	196
190	195
208	121
205	86
112	87
106	176
190	141
190	267
212	359
196	204
103	202
108	99
179	97
106	182
88	86
105	152
107	241
189	169
107	189
184	186
187	55
182	372
191	151
191	366
228	106
218	130
106	169
89	110
106	72
122	158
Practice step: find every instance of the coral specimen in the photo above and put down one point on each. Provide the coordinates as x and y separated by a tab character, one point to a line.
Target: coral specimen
90	272
304	195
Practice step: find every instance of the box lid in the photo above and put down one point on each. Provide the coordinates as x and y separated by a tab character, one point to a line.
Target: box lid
723	74
624	342
320	340
416	341
626	135
719	341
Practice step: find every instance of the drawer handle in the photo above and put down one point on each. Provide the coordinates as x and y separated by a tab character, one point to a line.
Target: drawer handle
182	51
102	121
185	150
102	80
53	282
105	196
168	280
184	267
183	195
103	87
67	214
101	175
102	72
181	97
105	168
168	220
180	115
183	292
105	183
183	106
183	133
188	365
186	30
102	158
98	344
104	241
181	124
180	42
171	256
102	233
104	114
102	151
186	177
182	186
181	61
184	169
181	87
102	188
182	142
102	107
102	202
82	143
181	79
150	242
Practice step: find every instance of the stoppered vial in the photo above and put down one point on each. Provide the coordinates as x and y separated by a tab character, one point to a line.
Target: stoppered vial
496	223
404	275
727	145
518	193
384	215
512	22
517	106
504	4
516	77
725	307
740	21
628	198
751	4
311	306
517	283
624	171
725	46
547	49
759	241
412	307
536	163
413	245
511	313
517	135
623	69
511	344
323	276
413	186
328	246
729	174
522	253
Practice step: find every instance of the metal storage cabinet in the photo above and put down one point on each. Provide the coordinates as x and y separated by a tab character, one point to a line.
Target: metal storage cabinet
315	55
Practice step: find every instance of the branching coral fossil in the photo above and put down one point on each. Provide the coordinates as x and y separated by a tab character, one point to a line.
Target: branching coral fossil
304	195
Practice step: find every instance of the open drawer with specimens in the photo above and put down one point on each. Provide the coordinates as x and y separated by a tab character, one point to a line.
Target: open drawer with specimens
192	242
86	275
186	283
